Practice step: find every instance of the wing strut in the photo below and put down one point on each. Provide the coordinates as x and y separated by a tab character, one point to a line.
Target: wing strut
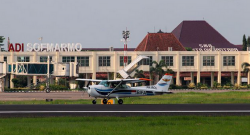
114	88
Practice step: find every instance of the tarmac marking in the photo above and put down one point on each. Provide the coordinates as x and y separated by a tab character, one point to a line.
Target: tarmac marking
221	111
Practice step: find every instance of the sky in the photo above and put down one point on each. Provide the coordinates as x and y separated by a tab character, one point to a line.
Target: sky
99	23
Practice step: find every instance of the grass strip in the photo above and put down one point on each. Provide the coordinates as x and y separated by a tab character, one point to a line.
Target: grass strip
176	98
199	125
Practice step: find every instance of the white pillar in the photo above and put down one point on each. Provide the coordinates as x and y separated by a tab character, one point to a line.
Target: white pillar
219	77
28	81
57	80
239	78
192	77
178	78
7	78
198	77
11	83
35	80
94	65
212	79
198	67
232	78
248	78
219	67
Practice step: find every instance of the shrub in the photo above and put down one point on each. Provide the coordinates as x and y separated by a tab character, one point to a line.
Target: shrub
199	85
173	86
57	87
236	86
226	87
41	87
203	86
243	87
191	85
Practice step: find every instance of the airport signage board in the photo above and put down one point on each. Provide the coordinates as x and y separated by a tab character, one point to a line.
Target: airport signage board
46	47
187	78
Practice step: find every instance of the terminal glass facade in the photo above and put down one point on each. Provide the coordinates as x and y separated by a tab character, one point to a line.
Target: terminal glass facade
228	60
147	61
208	60
23	59
45	58
168	60
104	61
68	59
83	61
187	60
122	60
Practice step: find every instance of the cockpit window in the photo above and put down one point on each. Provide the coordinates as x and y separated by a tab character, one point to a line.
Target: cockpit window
104	83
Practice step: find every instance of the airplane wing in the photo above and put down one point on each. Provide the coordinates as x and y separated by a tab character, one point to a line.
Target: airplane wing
131	80
91	80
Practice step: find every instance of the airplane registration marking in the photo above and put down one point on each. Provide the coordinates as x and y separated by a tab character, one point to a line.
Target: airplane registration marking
141	92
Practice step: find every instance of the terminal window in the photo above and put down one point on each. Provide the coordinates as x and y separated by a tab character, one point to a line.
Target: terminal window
168	60
146	61
187	60
104	61
228	60
122	60
45	58
208	60
68	59
23	59
83	61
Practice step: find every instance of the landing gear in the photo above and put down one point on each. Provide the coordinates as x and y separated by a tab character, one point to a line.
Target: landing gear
104	101
120	101
47	90
94	102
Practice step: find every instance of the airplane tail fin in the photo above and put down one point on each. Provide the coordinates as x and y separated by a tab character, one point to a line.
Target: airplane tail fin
164	83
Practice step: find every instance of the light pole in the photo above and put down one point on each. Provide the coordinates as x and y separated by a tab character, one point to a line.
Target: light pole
125	40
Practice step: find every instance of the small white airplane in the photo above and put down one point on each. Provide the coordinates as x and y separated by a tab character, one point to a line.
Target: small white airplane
108	89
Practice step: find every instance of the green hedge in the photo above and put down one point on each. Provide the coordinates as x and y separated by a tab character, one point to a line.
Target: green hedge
58	87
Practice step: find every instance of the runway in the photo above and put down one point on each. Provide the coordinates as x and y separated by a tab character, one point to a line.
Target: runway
123	110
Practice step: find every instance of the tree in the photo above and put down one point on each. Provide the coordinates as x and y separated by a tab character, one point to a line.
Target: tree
156	70
248	41
245	67
169	71
1	41
139	74
244	43
188	48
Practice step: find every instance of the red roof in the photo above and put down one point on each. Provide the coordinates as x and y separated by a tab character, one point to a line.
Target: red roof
160	42
193	33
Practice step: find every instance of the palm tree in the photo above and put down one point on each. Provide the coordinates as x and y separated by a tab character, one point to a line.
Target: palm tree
139	74
169	71
157	70
246	67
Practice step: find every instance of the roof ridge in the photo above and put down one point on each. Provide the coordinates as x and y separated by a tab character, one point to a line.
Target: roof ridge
181	30
217	32
179	42
146	42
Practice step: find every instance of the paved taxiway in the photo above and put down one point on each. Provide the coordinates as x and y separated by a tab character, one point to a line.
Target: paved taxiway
123	110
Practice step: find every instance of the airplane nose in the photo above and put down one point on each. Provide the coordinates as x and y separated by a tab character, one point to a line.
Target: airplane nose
89	90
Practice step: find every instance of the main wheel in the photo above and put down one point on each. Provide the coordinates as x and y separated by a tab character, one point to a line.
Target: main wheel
120	101
47	90
94	102
104	101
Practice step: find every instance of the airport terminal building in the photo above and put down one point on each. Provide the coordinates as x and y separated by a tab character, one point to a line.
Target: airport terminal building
212	58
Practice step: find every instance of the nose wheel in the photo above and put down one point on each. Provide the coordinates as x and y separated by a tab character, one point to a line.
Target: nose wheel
120	101
94	102
47	90
104	101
